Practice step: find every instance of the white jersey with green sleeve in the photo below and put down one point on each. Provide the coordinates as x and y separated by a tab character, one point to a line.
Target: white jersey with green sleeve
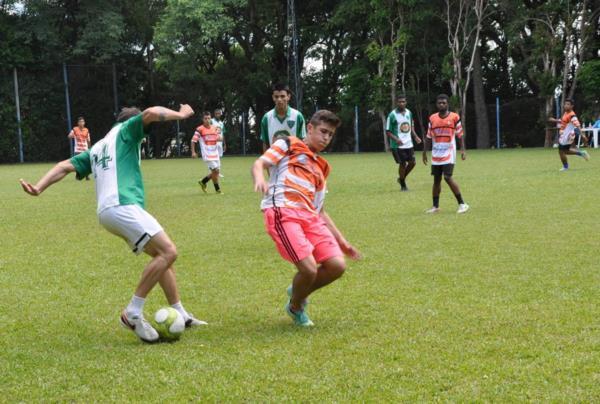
273	128
218	124
400	124
115	163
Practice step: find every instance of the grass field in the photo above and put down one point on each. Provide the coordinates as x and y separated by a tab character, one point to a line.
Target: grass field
500	304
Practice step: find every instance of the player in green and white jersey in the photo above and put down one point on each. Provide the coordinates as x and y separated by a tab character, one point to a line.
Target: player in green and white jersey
282	120
400	128
115	163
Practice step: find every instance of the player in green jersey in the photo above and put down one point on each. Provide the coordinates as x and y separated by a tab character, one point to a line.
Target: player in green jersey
115	163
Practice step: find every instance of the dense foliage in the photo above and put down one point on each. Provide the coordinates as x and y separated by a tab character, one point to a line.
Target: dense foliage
227	53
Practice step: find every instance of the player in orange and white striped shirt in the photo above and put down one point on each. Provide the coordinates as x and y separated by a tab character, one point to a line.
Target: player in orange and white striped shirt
81	135
569	126
294	215
443	128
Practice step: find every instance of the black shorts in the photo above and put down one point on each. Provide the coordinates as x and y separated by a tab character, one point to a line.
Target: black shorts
565	147
403	155
445	169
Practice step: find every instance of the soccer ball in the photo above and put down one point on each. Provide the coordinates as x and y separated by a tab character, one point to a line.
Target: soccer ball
169	323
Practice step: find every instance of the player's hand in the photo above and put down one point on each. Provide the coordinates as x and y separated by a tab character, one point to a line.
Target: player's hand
185	110
30	189
418	139
463	155
350	251
194	155
261	186
424	158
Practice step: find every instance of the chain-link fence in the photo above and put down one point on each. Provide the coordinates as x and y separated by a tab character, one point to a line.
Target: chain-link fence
51	100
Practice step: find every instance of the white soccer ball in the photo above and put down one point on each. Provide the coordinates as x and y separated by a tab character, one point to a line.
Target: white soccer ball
169	323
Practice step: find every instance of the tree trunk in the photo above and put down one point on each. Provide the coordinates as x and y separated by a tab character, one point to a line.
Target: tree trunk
481	116
385	139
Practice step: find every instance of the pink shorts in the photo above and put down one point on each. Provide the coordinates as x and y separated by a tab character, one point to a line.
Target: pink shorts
299	234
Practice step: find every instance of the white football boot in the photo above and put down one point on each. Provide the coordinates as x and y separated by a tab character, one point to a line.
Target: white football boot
140	327
462	208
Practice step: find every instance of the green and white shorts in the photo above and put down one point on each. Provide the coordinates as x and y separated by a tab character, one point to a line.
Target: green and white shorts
132	223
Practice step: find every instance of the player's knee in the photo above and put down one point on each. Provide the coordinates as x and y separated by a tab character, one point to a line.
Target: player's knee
437	179
447	178
336	266
170	253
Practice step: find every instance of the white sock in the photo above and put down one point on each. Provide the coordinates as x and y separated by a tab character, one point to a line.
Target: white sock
179	307
136	306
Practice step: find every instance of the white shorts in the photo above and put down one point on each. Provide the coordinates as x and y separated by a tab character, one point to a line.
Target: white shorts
131	223
213	164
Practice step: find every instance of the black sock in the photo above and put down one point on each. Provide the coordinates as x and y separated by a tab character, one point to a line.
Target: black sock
217	187
436	201
205	179
459	199
403	183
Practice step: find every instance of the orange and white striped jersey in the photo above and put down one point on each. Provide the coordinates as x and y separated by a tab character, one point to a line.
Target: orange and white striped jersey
82	137
297	177
442	132
568	123
208	138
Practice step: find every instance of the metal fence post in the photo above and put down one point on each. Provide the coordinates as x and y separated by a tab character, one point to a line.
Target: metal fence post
497	122
68	105
19	133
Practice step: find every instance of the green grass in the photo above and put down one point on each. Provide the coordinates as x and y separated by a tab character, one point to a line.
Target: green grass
500	304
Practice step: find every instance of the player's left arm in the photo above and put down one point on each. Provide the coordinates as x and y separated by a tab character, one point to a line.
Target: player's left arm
346	247
55	174
260	185
161	114
461	136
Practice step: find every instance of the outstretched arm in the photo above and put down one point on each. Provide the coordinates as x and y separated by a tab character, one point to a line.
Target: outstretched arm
161	114
56	173
346	247
260	185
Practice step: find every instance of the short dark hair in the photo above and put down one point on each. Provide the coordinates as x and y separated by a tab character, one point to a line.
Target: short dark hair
326	116
128	112
281	87
442	97
400	97
80	119
206	113
218	110
570	101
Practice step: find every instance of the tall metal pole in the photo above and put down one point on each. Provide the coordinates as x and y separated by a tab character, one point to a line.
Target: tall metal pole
19	133
497	122
115	94
293	65
356	129
244	133
68	104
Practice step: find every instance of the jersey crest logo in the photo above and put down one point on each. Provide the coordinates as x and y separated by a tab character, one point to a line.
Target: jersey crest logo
291	123
103	159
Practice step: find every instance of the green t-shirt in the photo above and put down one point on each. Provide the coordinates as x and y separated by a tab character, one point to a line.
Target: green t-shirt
400	124
115	163
272	127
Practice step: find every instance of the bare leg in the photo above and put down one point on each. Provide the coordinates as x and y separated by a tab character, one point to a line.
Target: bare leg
453	185
164	254
437	186
329	271
409	167
563	157
303	281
